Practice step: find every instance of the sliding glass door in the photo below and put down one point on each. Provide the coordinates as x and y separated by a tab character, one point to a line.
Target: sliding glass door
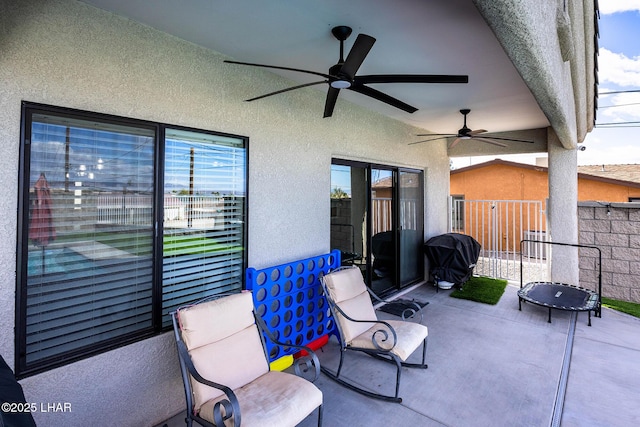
411	226
377	222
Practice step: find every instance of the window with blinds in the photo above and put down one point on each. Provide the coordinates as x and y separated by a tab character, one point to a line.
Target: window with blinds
204	210
113	237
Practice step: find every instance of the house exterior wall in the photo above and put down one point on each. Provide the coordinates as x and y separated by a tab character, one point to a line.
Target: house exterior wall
69	54
605	191
511	182
614	229
500	182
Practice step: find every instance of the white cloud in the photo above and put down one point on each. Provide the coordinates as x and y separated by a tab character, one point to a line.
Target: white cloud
617	68
610	146
622	107
614	6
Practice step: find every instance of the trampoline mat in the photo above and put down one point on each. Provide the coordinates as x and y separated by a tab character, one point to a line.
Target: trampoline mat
559	295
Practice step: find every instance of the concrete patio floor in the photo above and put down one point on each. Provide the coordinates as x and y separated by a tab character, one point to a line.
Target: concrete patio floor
496	366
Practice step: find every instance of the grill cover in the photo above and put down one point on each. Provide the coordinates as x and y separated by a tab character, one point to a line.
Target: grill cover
452	256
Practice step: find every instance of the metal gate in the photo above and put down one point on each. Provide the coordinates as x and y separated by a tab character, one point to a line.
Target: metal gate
499	226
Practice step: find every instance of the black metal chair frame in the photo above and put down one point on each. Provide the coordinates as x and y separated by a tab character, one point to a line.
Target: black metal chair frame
380	352
230	407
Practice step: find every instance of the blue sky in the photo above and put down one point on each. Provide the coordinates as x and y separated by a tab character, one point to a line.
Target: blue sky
619	70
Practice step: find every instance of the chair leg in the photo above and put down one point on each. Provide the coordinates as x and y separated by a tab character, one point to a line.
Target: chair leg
423	364
424	352
340	364
399	372
320	416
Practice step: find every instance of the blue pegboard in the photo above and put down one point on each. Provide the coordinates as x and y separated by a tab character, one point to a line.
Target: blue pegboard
289	299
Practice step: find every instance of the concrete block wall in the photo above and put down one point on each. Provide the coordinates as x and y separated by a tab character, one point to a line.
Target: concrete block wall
615	229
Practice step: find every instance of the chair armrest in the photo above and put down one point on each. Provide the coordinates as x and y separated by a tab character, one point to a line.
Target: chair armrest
230	405
302	365
375	338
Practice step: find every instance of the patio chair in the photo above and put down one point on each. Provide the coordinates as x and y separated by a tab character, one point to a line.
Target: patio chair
360	330
226	371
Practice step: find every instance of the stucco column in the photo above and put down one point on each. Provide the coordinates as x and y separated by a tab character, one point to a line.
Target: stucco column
562	210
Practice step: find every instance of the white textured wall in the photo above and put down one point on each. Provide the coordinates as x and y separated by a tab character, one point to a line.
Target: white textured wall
68	54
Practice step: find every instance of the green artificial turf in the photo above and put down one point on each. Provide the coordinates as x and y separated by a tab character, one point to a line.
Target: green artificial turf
481	289
631	308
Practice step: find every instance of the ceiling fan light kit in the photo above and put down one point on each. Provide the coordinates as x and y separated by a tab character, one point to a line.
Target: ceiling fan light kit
343	75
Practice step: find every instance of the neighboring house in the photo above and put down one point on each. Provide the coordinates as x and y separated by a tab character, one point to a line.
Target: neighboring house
501	202
503	180
120	104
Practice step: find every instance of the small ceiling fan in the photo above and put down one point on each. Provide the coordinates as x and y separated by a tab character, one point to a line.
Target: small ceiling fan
466	133
343	75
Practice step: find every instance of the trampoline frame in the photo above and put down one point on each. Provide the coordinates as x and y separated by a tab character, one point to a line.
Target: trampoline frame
592	299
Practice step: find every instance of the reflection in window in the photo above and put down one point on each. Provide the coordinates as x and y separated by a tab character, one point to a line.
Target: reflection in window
105	252
89	253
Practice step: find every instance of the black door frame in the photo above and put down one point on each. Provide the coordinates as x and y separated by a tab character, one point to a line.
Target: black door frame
396	227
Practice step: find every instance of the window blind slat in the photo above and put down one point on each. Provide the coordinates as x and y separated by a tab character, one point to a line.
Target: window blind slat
90	280
89	254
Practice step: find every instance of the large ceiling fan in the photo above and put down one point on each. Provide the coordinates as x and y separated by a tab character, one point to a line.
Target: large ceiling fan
466	133
343	75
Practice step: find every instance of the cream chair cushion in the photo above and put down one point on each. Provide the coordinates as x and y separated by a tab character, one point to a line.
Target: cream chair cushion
347	289
274	399
224	343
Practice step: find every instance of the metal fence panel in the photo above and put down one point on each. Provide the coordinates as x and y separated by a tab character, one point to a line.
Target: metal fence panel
499	226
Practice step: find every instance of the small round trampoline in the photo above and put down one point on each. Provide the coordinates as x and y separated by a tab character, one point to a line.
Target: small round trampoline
562	296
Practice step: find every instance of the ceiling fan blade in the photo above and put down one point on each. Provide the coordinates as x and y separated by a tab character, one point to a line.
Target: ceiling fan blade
476	132
376	94
455	142
432	139
326	76
436	134
330	103
357	54
411	78
286	90
489	141
507	139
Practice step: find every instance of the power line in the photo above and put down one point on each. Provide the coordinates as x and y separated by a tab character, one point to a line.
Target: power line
619	105
618	91
617	125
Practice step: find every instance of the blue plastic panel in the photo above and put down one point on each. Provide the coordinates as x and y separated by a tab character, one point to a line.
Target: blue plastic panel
289	299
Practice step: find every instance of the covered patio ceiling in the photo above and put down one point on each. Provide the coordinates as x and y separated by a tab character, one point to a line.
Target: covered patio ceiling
413	37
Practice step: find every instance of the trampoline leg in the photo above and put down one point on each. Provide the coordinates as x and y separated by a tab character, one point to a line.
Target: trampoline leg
519	304
549	316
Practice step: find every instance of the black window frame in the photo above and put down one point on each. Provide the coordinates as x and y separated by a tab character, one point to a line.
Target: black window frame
28	109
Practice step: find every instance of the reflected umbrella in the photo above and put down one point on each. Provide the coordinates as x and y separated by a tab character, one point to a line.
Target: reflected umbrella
41	229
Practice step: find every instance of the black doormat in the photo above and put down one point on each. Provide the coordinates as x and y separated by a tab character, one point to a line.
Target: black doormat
398	306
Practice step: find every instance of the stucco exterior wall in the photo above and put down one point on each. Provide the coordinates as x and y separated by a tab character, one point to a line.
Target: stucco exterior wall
501	182
555	81
614	228
69	54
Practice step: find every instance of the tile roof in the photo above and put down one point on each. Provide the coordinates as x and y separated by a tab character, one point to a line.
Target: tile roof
619	172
